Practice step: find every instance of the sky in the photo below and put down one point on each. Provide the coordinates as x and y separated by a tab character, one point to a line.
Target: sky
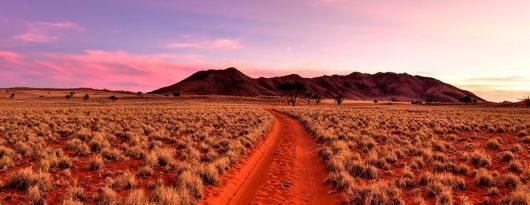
140	45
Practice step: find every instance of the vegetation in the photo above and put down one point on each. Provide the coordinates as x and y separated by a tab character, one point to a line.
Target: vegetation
425	155
88	153
526	101
293	90
339	99
113	98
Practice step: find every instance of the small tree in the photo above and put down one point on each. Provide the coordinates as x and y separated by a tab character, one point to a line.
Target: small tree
113	98
376	101
72	93
339	99
85	98
526	101
317	98
12	96
139	93
68	97
293	90
466	100
176	94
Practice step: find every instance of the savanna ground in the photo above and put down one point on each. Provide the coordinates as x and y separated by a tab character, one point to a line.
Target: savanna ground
152	149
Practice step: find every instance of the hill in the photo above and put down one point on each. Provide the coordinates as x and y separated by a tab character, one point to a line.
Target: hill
358	86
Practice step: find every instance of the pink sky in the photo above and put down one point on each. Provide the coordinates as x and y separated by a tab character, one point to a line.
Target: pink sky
482	46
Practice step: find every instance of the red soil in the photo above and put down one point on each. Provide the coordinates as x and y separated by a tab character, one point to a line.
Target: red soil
284	169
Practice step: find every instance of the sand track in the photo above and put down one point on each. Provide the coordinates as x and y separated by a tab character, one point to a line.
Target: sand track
283	169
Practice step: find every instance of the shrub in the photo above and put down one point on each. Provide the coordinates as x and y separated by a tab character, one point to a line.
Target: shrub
107	196
519	197
137	197
35	196
340	180
507	156
25	178
145	171
515	166
484	178
76	194
5	163
95	163
209	174
480	159
123	181
445	198
166	196
434	188
493	144
191	182
454	182
375	194
511	181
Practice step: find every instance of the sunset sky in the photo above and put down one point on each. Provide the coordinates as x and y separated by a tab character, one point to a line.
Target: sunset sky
479	45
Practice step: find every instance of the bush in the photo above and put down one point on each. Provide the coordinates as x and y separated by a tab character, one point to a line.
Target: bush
340	180
35	196
95	163
123	181
137	197
519	197
507	156
484	178
375	194
480	159
25	178
511	181
493	144
515	166
191	182
444	198
166	196
107	196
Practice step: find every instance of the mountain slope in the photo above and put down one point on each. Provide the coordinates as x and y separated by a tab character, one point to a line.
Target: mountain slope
359	86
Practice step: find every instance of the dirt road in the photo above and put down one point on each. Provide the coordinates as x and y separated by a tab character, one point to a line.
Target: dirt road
283	169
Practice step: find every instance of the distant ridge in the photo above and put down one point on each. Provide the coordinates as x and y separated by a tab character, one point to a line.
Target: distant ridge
358	86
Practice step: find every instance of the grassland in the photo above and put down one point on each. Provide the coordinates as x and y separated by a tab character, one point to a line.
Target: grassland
406	154
71	152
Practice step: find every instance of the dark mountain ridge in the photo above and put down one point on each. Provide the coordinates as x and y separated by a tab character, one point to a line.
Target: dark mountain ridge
358	86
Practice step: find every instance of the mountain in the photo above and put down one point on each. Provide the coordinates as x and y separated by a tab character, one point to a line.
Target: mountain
358	86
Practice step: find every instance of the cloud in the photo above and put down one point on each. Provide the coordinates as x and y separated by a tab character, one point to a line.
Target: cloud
221	43
10	56
43	32
508	78
35	38
118	70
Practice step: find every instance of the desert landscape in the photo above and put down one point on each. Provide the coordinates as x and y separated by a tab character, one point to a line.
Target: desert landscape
245	102
60	147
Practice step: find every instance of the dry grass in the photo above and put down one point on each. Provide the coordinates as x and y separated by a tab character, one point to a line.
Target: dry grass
430	155
93	153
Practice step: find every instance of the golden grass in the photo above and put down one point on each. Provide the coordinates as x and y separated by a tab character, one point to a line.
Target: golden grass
89	152
423	154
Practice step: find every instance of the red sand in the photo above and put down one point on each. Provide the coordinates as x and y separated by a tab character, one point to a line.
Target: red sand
284	169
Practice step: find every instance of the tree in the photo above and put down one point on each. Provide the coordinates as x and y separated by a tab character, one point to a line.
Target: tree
85	98
139	93
466	100
317	98
526	101
72	93
292	89
113	98
376	101
12	95
176	94
307	96
339	99
68	97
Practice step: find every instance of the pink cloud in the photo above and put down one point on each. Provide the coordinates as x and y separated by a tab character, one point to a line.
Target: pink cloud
221	43
10	56
117	70
35	38
42	32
